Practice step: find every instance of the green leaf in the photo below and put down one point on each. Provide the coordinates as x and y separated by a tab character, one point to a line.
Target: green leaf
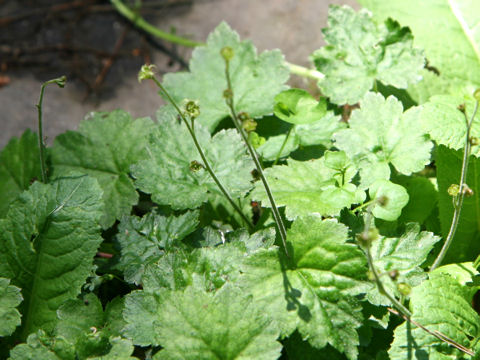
313	289
194	324
439	26
445	124
307	187
360	52
104	147
402	255
41	346
452	315
19	166
10	298
390	199
381	133
255	79
167	174
144	240
48	241
466	244
297	106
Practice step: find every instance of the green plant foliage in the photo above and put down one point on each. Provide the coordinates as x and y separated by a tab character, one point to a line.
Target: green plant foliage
466	243
166	172
257	79
390	199
399	260
144	240
307	187
359	52
453	317
311	291
10	298
297	106
194	324
439	26
104	147
380	134
445	123
47	242
19	166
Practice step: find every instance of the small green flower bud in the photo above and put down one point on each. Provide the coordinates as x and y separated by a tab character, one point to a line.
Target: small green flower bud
404	289
255	174
227	53
195	166
192	109
461	108
61	81
243	116
453	190
467	191
474	141
227	94
256	140
370	275
365	239
147	72
476	94
249	125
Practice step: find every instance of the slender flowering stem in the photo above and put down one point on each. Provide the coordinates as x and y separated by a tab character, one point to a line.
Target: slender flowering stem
227	54
199	149
41	145
458	200
283	146
305	72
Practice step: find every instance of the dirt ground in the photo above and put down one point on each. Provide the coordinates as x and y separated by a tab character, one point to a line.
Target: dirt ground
294	26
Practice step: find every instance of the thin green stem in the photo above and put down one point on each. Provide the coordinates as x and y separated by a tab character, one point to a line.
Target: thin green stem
202	154
366	204
283	146
41	145
304	72
139	22
276	214
461	194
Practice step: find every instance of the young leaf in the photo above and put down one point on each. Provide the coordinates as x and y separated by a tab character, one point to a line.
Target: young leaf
48	241
439	26
307	187
313	289
360	52
167	173
380	134
144	240
390	197
194	324
19	166
466	244
443	121
440	304
402	257
10	298
104	147
255	79
297	106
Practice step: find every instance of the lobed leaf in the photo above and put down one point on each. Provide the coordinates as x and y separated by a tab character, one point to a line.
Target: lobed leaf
194	324
168	176
379	134
312	290
10	298
390	198
104	147
256	79
360	52
47	242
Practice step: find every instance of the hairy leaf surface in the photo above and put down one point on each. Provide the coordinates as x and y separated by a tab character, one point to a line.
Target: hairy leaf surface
48	241
307	187
104	147
19	166
166	172
10	298
380	134
313	289
360	52
256	79
194	324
